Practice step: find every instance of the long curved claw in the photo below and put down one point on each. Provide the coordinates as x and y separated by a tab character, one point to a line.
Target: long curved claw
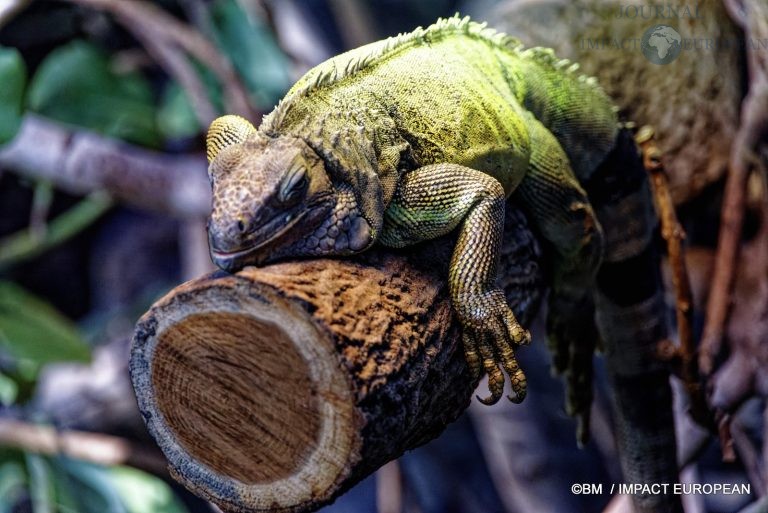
495	377
508	359
494	334
516	376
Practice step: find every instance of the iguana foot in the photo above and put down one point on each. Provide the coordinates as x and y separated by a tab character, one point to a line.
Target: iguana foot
490	329
432	201
572	337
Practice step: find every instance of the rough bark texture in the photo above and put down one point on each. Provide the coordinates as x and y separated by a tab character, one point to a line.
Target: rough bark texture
278	388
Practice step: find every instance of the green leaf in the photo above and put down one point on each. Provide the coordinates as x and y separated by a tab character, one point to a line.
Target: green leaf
144	493
13	77
9	390
34	333
41	490
253	50
83	487
13	482
75	84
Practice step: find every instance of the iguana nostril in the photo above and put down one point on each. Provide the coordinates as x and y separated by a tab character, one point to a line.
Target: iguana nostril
241	226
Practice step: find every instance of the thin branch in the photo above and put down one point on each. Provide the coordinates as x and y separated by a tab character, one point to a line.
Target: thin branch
355	17
724	433
10	8
81	162
175	62
752	16
41	205
91	447
674	235
28	243
389	489
719	302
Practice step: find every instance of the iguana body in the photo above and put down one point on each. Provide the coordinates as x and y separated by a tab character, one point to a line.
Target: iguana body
413	137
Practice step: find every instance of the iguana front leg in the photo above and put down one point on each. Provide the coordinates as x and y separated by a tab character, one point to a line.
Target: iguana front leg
432	201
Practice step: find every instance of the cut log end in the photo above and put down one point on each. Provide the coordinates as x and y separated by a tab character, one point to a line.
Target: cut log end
277	389
250	451
248	400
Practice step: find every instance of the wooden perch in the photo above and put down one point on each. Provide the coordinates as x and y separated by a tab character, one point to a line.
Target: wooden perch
278	388
81	162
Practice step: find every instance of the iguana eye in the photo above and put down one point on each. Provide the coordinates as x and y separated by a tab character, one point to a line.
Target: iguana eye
294	186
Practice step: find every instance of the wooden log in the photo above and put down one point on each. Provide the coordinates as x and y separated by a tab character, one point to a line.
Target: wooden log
278	388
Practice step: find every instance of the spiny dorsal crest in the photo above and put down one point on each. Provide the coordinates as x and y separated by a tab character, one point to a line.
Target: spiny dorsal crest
546	57
443	26
333	71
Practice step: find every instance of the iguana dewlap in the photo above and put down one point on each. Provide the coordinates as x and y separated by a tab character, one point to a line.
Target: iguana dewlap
414	137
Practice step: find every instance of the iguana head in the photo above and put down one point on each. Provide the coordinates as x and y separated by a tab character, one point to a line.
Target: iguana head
273	199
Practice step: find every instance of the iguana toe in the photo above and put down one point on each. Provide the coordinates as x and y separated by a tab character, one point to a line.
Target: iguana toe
572	336
495	377
494	332
470	354
516	376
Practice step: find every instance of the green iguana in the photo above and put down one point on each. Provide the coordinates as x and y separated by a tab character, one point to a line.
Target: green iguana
410	138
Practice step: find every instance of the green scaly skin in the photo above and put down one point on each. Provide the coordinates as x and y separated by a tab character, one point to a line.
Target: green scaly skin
410	138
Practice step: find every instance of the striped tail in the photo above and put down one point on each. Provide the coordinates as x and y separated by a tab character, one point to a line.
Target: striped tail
631	319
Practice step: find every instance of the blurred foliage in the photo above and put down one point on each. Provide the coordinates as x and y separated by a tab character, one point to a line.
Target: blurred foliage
9	390
75	84
80	81
175	117
13	76
13	481
30	243
31	331
142	493
64	485
256	56
251	45
32	334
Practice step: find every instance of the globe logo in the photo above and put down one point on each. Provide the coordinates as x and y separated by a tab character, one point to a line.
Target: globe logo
661	44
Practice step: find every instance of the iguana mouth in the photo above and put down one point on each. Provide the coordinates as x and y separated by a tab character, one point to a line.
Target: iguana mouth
235	260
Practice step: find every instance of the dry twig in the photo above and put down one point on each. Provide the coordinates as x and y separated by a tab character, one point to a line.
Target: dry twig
389	490
82	162
29	243
91	447
10	8
674	235
752	16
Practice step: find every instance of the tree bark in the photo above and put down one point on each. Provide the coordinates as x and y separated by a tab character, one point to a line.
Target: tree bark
278	388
